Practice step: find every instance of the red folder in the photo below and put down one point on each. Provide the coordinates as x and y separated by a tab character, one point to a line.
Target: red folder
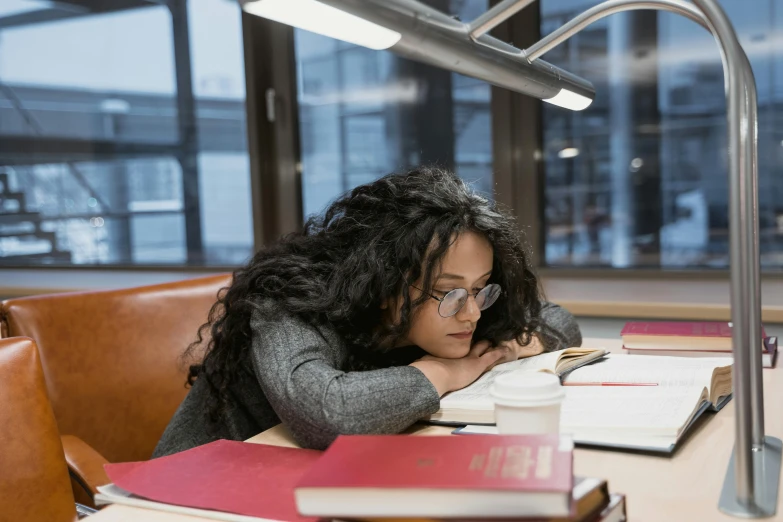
234	477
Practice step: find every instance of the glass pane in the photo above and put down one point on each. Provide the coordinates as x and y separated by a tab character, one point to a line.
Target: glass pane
104	157
639	179
366	113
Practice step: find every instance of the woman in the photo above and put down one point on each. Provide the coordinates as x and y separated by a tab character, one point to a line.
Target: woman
405	289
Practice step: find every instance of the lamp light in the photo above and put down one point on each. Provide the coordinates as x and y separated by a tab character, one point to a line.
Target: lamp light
320	18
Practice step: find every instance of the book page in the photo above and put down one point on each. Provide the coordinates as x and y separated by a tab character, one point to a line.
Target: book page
652	410
476	396
665	372
649	417
544	361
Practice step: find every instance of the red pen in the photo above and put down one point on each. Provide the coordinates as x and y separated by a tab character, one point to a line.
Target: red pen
610	384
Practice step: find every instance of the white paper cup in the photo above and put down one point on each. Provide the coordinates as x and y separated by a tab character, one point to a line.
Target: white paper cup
527	402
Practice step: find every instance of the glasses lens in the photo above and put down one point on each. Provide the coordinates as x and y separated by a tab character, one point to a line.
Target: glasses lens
452	302
487	297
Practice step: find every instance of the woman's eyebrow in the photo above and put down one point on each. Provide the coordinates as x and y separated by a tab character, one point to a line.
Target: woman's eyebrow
459	278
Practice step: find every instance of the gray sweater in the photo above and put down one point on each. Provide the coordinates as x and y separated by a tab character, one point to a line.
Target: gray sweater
296	375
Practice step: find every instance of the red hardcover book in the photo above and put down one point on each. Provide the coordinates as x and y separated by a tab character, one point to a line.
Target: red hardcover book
769	354
443	477
672	335
590	499
228	476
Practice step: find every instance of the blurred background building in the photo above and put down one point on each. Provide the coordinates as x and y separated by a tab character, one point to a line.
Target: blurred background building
124	134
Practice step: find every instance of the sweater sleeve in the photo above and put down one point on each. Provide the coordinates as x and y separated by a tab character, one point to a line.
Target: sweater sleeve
297	366
558	329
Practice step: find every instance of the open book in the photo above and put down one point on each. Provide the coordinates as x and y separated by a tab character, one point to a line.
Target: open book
459	407
651	417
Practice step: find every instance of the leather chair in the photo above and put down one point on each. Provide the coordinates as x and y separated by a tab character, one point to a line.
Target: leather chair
34	484
113	366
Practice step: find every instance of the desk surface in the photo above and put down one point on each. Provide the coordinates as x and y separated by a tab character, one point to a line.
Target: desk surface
684	487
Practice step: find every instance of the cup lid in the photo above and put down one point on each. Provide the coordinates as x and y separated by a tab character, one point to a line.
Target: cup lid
527	388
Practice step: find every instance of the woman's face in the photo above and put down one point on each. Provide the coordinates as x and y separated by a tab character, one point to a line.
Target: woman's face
467	264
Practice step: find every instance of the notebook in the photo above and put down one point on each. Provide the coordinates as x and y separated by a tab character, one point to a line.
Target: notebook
453	406
511	476
650	417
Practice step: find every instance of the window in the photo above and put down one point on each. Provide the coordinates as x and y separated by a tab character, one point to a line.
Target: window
639	179
366	113
122	134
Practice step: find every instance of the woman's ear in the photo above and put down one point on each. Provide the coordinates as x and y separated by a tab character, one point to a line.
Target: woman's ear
391	309
390	303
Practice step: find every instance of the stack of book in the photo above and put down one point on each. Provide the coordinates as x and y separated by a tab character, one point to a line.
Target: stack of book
371	478
501	477
690	339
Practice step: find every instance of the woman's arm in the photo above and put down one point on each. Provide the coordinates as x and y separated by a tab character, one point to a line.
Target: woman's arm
297	368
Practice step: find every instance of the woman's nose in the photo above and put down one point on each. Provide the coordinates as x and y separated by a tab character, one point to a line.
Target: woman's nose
470	311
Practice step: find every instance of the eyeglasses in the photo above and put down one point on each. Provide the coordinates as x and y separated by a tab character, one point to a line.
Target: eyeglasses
452	302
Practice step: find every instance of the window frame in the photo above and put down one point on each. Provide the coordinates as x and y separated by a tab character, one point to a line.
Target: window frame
527	139
275	157
263	148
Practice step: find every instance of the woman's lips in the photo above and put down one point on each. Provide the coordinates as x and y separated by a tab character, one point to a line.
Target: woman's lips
462	335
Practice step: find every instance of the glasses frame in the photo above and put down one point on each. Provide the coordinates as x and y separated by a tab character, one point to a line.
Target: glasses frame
441	299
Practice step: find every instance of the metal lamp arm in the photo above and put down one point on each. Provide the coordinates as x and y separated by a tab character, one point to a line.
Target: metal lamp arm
495	16
608	8
753	477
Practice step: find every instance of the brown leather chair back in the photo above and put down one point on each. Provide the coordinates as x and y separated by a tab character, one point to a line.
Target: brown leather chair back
112	359
34	483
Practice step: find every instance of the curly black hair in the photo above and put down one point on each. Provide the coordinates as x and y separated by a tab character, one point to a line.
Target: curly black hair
360	253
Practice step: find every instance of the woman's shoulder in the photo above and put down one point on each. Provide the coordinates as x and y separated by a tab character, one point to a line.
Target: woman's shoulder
269	315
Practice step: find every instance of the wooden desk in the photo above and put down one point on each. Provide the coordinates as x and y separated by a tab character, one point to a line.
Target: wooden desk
685	487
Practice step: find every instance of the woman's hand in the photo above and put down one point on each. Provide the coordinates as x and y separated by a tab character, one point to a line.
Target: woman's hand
454	374
533	348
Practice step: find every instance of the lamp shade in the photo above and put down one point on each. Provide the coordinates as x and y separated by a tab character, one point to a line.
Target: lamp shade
418	32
